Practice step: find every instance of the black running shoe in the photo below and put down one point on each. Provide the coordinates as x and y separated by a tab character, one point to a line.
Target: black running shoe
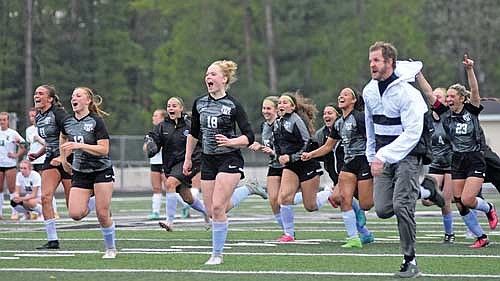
449	238
408	270
430	184
54	244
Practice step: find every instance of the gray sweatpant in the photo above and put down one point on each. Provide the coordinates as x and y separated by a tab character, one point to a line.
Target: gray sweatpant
395	192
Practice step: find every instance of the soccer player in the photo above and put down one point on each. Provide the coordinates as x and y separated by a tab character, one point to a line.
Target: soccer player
468	167
88	141
214	120
27	197
11	147
49	121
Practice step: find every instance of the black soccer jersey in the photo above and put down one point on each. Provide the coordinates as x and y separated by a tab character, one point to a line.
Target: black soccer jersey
291	136
89	130
49	124
441	147
351	130
268	140
218	116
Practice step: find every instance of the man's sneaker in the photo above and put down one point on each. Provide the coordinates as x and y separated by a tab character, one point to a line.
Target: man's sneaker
185	212
167	225
14	217
285	238
360	218
430	183
54	244
449	238
367	239
353	243
255	188
110	254
154	216
492	217
408	270
480	243
215	260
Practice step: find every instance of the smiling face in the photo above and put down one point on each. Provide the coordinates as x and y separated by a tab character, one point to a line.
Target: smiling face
455	100
329	116
346	99
174	109
80	100
42	98
285	105
440	95
380	69
269	111
4	121
25	168
215	79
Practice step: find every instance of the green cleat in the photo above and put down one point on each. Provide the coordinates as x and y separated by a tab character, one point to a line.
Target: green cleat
353	243
154	216
185	212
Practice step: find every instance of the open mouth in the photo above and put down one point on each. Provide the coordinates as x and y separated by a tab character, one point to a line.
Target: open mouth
74	104
210	84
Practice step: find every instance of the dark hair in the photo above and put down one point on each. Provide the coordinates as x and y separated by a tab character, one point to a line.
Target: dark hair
388	51
305	108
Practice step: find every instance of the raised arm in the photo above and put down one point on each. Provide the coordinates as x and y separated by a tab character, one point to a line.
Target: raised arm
475	99
426	88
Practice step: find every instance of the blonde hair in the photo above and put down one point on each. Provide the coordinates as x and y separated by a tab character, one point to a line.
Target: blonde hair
461	90
272	99
163	112
228	68
95	101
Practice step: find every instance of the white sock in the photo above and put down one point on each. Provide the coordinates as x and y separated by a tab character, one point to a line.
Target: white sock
90	204
424	193
156	202
14	211
195	192
54	204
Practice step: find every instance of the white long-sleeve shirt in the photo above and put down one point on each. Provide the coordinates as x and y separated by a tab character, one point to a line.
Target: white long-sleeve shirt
399	117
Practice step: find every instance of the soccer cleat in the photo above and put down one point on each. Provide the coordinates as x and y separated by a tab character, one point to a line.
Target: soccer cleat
480	243
255	188
185	212
56	215
285	238
14	217
449	238
167	225
354	242
154	216
360	218
110	254
214	260
367	239
54	244
492	217
430	183
332	202
408	270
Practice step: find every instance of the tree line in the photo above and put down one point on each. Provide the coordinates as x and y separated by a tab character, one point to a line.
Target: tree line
137	53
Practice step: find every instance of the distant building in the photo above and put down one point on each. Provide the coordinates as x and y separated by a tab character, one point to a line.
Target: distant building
490	121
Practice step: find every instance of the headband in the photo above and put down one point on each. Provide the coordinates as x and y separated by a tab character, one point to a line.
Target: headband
289	98
178	100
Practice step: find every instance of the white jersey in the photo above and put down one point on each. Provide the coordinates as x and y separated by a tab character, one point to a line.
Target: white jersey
34	145
27	184
156	160
9	140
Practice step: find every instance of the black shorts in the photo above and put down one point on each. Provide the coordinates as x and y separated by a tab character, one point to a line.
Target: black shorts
438	171
176	172
4	169
157	168
37	167
358	166
87	180
47	166
305	170
231	162
469	164
274	172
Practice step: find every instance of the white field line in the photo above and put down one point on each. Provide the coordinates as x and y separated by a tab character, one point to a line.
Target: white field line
327	273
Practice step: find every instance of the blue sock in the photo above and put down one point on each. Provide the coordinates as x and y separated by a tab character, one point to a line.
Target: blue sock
287	214
108	233
322	198
219	235
171	208
198	206
278	219
349	218
50	229
363	230
91	203
448	223
482	205
298	198
472	223
355	206
241	193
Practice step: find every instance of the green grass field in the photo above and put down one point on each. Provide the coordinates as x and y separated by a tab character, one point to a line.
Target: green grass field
147	252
